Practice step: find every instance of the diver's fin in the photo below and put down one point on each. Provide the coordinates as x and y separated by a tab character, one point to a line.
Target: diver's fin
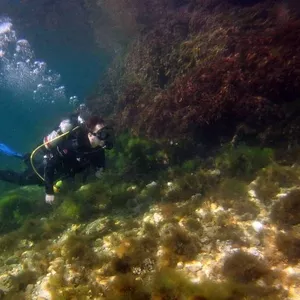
4	149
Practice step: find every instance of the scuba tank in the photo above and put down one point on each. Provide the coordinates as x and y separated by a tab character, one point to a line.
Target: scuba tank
51	139
76	119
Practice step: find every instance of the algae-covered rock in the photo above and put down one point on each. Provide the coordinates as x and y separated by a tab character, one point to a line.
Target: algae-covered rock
6	282
286	211
179	243
16	280
244	267
272	178
289	244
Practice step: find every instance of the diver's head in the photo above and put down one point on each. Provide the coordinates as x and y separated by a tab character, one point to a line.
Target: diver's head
96	134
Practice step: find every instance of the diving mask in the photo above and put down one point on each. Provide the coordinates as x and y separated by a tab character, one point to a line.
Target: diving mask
104	133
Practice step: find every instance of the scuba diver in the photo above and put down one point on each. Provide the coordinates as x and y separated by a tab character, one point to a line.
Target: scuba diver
77	145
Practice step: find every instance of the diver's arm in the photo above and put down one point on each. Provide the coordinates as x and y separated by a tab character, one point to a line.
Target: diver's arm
97	162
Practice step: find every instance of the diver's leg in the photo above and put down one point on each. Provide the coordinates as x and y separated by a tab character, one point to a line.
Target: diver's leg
24	178
29	177
10	176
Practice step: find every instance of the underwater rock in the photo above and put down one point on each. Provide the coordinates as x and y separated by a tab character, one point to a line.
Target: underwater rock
179	242
193	267
57	266
157	218
273	181
257	226
12	260
7	283
293	273
97	226
152	184
252	194
42	289
34	261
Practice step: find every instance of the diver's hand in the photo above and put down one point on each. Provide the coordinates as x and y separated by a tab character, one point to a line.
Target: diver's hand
99	173
49	199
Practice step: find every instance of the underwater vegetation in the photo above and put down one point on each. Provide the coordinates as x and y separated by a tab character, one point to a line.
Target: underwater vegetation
19	205
274	177
204	69
179	246
105	226
243	161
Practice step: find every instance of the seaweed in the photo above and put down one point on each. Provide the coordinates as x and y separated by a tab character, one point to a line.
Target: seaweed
272	178
244	267
286	211
243	161
179	244
78	248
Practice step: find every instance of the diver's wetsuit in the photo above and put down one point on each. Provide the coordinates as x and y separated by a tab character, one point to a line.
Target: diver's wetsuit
72	155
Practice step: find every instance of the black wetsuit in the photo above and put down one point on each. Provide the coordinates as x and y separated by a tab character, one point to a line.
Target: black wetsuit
72	155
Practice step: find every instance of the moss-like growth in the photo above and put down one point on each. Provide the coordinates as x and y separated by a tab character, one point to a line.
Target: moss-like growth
136	255
9	240
18	205
243	161
15	285
289	244
69	210
274	177
188	184
127	287
170	284
136	156
229	231
243	267
231	188
286	211
120	194
179	244
79	248
233	193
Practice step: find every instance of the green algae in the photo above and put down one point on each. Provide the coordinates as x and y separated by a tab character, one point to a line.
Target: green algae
135	155
232	188
18	205
243	161
69	210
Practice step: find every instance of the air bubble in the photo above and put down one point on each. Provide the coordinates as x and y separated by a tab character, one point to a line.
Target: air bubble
21	73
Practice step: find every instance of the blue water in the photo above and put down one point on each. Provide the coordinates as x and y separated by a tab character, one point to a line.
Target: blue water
47	67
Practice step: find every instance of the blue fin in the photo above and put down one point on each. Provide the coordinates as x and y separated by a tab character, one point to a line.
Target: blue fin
9	152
